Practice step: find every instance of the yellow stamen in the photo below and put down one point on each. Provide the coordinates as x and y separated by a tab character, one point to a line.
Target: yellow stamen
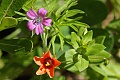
47	64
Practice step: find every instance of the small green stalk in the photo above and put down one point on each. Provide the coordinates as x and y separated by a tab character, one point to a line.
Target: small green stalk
44	37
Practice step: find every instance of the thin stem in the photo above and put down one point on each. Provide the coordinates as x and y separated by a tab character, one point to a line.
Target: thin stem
44	43
44	37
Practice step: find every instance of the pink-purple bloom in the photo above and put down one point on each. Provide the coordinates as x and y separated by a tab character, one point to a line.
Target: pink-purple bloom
38	20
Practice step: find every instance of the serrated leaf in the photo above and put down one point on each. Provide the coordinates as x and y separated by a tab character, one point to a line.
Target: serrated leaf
8	22
16	45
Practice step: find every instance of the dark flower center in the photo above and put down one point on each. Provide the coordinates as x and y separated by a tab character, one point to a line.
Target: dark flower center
48	62
37	21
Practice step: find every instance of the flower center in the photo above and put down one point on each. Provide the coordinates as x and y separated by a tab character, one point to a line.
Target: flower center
37	20
48	62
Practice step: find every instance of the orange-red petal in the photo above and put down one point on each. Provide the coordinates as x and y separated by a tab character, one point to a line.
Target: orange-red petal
46	54
41	71
50	72
56	62
37	60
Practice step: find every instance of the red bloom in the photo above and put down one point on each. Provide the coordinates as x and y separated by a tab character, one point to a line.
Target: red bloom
47	64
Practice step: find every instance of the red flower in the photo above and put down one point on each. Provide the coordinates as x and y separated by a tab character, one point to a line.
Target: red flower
47	64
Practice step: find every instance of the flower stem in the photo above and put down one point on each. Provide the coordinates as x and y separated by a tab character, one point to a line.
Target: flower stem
44	37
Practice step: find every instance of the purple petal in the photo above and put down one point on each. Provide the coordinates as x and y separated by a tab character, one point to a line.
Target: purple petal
31	14
46	21
30	25
39	29
42	12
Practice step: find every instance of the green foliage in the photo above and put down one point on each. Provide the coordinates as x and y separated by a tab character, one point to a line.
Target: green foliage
74	66
109	40
87	37
74	40
99	70
21	46
28	5
100	39
9	6
95	10
8	22
78	46
112	70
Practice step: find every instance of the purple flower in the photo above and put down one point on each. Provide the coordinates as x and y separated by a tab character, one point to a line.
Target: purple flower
38	20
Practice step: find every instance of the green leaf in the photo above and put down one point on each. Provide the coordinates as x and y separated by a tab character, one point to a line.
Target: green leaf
51	6
62	8
96	59
9	6
94	49
104	54
19	13
61	42
95	10
109	40
97	54
81	64
29	4
53	43
112	69
99	70
69	58
81	24
74	27
16	45
72	12
76	66
82	31
69	54
74	40
100	39
87	37
8	22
